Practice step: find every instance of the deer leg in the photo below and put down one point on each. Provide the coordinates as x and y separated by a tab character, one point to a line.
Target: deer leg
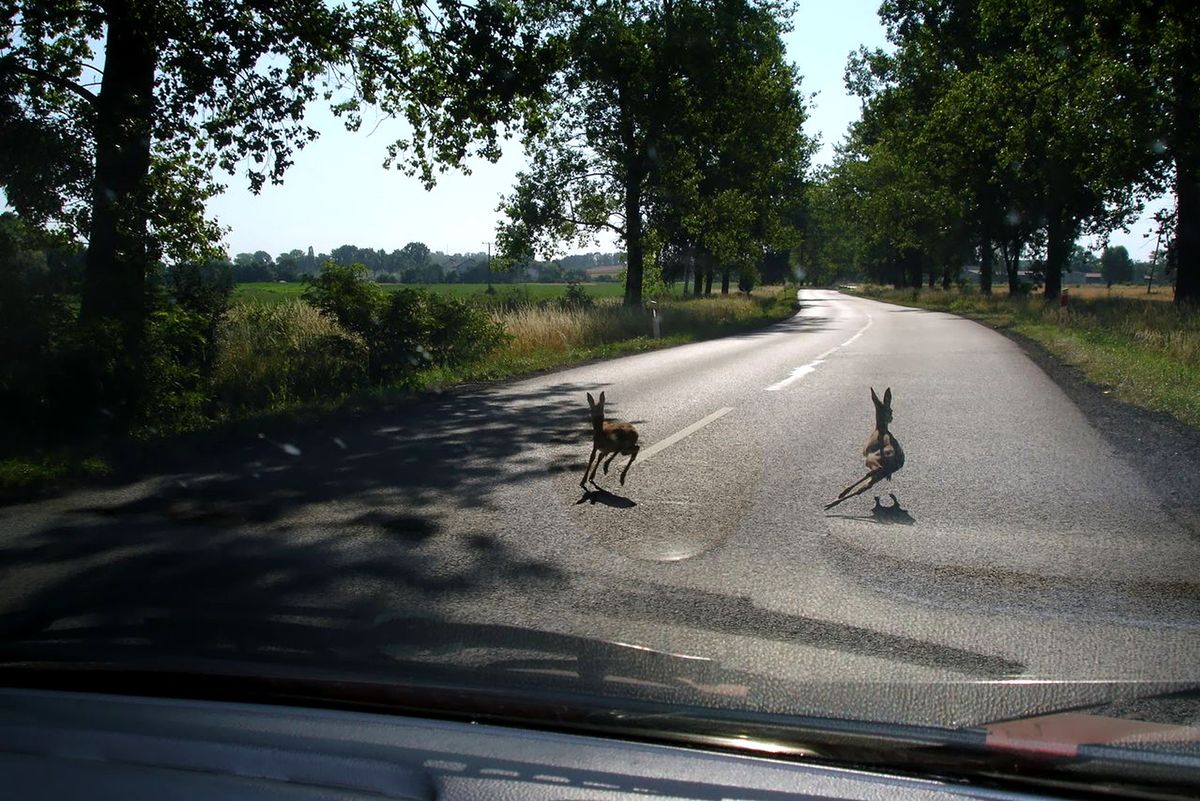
844	492
586	470
597	467
633	455
611	456
845	497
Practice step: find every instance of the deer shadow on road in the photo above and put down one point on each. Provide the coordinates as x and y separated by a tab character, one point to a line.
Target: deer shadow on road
599	495
883	514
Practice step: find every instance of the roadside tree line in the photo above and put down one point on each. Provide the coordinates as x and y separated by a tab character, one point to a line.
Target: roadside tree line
997	129
415	263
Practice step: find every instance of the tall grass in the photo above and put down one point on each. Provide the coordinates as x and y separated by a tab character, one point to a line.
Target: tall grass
545	336
270	356
541	328
1143	351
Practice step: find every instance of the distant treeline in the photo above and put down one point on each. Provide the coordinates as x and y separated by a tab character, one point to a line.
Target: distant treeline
415	263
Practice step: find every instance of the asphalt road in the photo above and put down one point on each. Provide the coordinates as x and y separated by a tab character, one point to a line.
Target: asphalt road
1034	548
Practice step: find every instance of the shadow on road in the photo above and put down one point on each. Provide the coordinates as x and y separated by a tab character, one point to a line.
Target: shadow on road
260	522
892	515
739	616
605	498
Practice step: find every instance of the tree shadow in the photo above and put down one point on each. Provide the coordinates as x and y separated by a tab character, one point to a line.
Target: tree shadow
346	510
599	495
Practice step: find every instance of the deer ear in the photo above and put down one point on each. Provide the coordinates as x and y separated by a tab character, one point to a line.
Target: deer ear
592	401
875	397
887	397
602	398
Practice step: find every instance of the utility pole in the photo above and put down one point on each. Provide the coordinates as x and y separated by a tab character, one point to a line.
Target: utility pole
1154	262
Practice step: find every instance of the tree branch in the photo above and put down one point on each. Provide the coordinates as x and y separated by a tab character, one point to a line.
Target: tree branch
12	66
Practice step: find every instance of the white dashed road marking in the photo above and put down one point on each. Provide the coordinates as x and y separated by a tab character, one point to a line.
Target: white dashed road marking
804	370
678	435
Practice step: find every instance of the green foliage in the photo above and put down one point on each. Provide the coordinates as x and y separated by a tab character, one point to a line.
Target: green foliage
178	349
577	297
203	290
1116	266
462	331
192	87
406	329
347	295
990	126
421	328
650	139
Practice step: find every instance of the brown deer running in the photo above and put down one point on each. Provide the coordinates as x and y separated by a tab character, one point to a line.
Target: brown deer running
608	438
882	452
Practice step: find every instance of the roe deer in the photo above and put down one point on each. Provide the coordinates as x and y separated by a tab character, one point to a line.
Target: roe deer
608	438
882	452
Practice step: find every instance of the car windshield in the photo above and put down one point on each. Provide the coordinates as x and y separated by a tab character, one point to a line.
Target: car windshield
832	362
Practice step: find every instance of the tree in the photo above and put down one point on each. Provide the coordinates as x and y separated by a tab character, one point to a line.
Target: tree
414	255
190	85
589	172
1082	260
1116	266
730	185
1016	114
257	266
651	140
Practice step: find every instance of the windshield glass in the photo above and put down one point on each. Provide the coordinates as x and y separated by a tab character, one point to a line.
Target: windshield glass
837	361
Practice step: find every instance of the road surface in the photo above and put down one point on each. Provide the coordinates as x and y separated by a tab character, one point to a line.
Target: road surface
1035	548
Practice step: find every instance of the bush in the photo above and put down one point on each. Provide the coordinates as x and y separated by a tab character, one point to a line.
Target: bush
398	345
462	332
421	328
348	295
203	290
576	297
178	352
269	356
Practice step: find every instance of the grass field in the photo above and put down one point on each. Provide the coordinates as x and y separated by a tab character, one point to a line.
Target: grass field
1144	352
1133	291
268	292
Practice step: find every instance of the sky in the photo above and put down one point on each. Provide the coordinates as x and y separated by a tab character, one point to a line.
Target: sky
337	191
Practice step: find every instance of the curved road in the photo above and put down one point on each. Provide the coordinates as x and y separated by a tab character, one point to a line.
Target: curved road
1034	549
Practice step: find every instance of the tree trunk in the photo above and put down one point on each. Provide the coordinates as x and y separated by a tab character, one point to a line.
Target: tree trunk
117	259
634	174
1187	228
986	256
946	278
1012	266
1060	235
698	278
116	262
725	281
708	277
913	261
633	241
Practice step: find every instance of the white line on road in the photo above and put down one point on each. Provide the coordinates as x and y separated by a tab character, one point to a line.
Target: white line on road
678	435
804	370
